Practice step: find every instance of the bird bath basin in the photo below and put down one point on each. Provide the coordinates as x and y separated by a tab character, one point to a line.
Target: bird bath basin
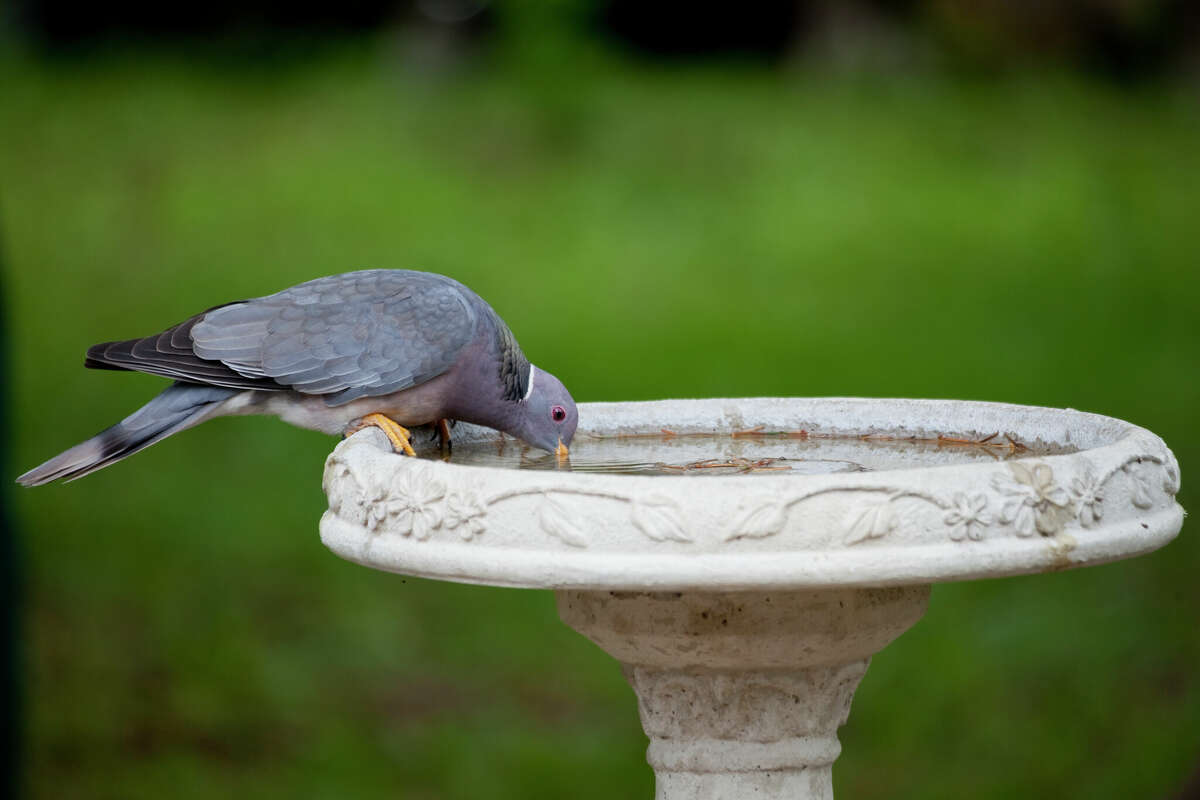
743	559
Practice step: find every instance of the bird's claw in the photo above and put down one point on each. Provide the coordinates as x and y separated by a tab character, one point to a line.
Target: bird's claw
397	434
443	434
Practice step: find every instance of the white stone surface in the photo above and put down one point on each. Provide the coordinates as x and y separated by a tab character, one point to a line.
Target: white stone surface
1114	498
742	693
744	609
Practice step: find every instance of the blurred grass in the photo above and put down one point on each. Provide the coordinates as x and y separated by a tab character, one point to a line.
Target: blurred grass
647	233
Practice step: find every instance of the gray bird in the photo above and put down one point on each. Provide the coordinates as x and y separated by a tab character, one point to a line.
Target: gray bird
389	348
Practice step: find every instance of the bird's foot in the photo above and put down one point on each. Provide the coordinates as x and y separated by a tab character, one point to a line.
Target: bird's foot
443	433
397	434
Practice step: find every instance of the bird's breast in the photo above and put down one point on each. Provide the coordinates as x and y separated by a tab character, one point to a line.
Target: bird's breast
417	405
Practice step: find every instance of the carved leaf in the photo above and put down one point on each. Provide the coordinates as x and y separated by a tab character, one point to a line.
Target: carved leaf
556	521
1141	487
876	521
1171	478
759	519
1047	489
1023	473
658	517
1049	519
349	495
336	472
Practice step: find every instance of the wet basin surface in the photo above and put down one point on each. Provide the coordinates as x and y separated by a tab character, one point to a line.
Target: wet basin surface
694	455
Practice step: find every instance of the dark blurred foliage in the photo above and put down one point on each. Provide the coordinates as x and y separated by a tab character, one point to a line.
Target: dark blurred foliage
1122	38
10	710
1192	790
250	29
60	22
762	27
1125	39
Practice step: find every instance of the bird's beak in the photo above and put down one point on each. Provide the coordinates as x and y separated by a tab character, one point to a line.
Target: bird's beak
561	450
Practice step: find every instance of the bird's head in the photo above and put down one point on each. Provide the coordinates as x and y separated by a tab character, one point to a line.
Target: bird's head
549	416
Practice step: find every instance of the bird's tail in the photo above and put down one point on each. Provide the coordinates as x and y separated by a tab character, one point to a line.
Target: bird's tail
180	406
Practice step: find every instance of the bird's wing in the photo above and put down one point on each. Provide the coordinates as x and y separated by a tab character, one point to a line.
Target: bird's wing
170	355
360	334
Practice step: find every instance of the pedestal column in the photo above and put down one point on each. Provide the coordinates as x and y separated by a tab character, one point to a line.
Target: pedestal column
742	693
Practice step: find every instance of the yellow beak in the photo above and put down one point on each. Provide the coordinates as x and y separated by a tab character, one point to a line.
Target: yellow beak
561	450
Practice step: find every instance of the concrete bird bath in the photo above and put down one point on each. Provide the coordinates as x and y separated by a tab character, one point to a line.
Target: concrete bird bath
745	608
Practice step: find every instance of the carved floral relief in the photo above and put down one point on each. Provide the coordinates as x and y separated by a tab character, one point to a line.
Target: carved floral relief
968	518
1034	502
1024	497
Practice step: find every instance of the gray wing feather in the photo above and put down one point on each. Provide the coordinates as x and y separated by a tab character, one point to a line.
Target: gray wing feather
346	336
170	355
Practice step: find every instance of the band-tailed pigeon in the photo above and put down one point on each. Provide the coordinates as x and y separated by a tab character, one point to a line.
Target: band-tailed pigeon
389	348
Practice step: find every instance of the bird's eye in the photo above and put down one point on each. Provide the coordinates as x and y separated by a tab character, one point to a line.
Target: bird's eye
558	413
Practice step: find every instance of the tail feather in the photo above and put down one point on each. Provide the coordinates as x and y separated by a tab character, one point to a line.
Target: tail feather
177	408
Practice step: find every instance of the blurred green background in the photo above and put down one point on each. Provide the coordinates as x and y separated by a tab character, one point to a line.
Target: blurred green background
917	206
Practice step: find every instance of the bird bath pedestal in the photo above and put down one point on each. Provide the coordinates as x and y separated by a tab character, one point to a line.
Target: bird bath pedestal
745	608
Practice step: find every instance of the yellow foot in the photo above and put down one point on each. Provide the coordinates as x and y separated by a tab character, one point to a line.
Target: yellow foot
397	434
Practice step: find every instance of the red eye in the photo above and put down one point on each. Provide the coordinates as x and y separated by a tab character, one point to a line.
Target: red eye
558	413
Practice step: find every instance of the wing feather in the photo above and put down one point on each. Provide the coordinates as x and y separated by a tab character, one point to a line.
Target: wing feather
347	336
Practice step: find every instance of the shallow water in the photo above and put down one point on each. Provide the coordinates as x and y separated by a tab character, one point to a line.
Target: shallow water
698	455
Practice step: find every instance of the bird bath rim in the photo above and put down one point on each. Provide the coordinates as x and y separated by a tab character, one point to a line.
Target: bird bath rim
1111	498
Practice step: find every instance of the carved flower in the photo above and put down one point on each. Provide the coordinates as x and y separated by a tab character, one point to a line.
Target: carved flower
415	506
372	501
1035	502
1141	485
349	496
1090	497
465	513
967	519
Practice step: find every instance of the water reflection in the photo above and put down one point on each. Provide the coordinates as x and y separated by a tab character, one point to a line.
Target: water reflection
700	455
